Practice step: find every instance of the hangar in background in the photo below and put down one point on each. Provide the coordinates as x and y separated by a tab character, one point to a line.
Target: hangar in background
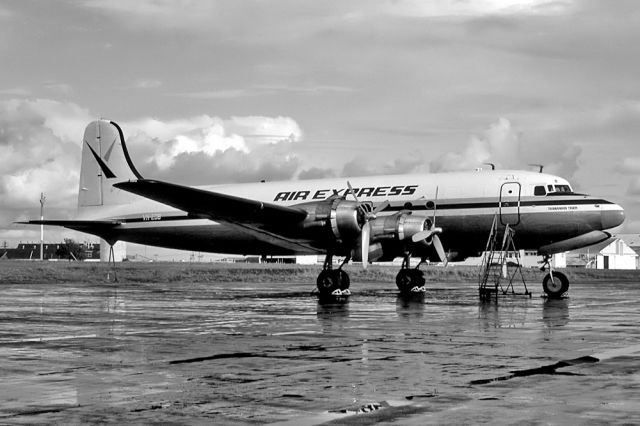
616	254
52	251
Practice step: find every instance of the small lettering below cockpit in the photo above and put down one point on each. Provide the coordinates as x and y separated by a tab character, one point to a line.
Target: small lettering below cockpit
559	208
151	216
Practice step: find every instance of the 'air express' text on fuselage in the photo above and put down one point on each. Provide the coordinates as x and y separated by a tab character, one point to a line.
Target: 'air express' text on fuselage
321	194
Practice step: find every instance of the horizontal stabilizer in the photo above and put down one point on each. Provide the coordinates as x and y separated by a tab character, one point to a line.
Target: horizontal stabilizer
101	228
213	205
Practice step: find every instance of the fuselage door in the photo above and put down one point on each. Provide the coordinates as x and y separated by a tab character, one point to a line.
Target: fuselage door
510	203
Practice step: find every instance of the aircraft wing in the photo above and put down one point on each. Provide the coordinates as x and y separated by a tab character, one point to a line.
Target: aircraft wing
263	220
214	205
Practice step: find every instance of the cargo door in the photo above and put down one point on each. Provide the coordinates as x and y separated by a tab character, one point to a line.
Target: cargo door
510	203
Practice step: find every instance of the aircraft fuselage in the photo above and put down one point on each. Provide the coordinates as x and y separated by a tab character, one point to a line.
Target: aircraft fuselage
540	207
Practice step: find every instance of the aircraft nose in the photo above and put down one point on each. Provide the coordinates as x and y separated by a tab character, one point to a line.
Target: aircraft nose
612	217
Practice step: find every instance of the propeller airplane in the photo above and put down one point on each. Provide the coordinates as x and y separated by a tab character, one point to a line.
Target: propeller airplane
440	217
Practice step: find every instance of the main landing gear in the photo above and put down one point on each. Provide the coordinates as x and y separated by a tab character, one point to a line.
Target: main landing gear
410	280
555	284
333	282
112	265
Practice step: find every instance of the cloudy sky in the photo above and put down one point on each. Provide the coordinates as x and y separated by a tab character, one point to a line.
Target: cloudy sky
238	91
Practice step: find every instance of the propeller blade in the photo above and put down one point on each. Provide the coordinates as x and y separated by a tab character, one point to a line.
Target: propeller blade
353	192
381	207
422	235
435	207
439	249
365	235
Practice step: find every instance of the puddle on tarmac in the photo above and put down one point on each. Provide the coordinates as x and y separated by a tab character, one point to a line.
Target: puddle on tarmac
261	353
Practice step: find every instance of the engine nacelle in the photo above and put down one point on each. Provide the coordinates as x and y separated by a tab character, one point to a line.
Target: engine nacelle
344	220
399	227
338	216
391	236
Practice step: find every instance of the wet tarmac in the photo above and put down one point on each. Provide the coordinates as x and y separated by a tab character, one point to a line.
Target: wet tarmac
266	353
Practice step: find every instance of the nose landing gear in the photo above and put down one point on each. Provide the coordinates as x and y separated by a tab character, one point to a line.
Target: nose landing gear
555	284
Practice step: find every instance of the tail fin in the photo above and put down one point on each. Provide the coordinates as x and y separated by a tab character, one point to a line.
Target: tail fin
105	161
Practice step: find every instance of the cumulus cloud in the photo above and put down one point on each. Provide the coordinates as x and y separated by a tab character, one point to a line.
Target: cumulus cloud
195	15
316	173
41	151
269	162
164	144
445	8
504	146
358	167
41	142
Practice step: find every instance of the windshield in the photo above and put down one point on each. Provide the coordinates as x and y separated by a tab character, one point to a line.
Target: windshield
552	190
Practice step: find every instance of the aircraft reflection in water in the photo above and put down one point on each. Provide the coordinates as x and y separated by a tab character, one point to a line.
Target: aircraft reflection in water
439	217
410	306
555	313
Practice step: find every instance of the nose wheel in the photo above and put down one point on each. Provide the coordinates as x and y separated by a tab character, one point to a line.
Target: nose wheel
555	284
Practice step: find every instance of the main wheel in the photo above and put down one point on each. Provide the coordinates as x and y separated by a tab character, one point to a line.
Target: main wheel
418	278
327	282
556	287
408	279
403	280
343	279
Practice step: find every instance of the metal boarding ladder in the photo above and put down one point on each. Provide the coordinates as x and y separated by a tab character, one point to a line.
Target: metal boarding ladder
496	267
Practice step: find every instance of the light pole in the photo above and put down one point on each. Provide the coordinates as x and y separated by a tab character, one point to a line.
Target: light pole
42	200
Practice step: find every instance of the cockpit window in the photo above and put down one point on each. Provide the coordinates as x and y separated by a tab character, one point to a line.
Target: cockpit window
563	188
539	190
552	190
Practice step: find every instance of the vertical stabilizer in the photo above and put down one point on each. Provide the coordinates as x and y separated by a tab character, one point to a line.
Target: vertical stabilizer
105	161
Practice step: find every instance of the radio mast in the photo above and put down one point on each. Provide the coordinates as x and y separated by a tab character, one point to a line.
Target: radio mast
42	200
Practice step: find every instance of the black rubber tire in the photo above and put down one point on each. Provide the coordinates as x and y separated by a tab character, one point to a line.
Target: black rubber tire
408	279
342	278
557	287
327	282
403	281
418	278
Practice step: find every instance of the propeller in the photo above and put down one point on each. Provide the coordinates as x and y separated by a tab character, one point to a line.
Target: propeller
432	233
368	215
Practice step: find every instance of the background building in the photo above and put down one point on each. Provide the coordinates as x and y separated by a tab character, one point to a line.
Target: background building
52	251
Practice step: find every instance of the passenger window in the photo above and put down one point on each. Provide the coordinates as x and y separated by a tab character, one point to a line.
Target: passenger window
539	190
